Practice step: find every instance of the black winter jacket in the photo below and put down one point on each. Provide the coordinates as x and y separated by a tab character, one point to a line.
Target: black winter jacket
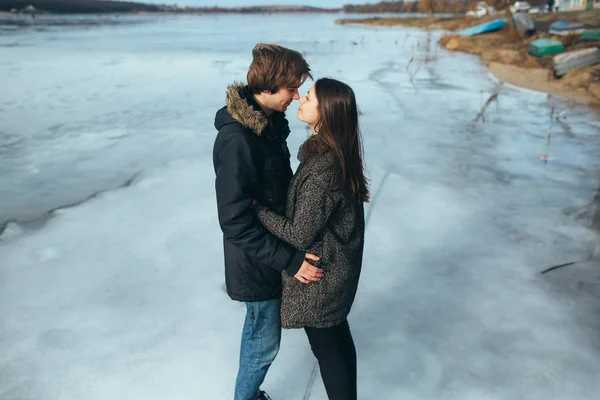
252	162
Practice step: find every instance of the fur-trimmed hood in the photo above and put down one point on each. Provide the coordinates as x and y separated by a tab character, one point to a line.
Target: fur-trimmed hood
242	108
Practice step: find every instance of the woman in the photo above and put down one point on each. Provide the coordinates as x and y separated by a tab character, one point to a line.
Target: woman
325	216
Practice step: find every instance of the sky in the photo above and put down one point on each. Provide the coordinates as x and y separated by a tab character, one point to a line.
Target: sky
239	3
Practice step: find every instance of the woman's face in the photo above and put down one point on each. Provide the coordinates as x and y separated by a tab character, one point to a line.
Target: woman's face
309	109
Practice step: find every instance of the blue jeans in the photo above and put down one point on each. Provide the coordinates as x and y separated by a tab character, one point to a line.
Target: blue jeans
260	344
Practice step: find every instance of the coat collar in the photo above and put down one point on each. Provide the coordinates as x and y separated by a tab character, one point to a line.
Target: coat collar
243	108
318	149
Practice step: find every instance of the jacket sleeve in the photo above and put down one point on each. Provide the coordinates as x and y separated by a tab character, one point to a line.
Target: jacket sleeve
312	209
236	177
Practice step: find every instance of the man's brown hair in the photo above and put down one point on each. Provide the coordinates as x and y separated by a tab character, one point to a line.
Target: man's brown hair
274	67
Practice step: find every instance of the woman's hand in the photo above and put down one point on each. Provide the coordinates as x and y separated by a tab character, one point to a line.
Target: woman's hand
307	272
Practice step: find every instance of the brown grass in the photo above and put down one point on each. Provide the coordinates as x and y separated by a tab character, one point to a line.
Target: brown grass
450	24
590	18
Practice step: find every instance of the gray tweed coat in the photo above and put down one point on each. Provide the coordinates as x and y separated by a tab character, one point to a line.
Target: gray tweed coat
326	222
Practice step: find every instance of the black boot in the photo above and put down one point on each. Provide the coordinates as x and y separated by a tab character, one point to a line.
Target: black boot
263	396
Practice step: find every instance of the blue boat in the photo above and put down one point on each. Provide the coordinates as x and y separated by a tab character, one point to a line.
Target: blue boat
483	28
564	28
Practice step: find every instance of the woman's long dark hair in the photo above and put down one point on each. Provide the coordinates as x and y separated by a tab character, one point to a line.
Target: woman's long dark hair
338	130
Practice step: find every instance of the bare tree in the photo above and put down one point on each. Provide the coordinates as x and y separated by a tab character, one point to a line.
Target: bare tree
427	6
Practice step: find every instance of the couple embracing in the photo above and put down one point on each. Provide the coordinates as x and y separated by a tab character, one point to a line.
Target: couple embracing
293	242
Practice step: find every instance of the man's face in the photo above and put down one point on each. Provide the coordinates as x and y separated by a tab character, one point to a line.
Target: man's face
280	100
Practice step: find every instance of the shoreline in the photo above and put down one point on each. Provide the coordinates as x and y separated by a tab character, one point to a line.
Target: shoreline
506	57
537	79
445	23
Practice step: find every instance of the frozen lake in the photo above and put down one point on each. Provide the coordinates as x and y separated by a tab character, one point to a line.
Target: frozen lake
122	296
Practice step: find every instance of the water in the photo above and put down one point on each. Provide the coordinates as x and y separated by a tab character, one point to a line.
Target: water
122	296
88	102
85	107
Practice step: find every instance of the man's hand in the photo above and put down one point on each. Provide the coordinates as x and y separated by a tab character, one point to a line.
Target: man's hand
308	273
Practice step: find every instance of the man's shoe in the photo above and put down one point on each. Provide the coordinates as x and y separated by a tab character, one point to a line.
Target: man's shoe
263	396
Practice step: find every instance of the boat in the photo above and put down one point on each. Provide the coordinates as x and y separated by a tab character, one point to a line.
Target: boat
524	24
545	47
481	9
590	35
483	28
571	60
564	28
520	7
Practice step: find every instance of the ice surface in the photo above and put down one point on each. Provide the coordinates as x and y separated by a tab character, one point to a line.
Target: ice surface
122	296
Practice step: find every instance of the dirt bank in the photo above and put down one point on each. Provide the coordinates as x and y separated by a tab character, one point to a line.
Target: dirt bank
506	54
504	48
539	79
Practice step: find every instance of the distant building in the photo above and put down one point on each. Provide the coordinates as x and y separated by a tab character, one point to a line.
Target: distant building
571	5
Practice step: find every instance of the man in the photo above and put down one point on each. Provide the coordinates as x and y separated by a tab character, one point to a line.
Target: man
252	163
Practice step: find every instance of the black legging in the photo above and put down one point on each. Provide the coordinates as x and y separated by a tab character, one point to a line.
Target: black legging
334	349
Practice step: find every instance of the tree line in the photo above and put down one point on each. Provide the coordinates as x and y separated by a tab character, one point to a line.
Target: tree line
428	6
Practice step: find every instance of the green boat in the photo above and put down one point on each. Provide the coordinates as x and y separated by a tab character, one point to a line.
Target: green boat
591	35
544	47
